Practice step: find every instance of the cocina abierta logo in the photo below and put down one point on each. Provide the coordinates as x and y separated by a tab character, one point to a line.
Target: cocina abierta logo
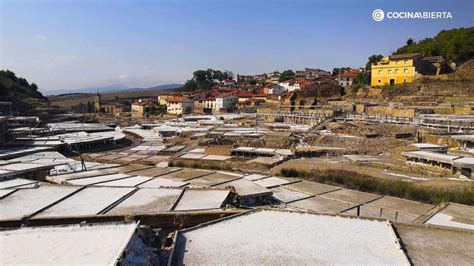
379	15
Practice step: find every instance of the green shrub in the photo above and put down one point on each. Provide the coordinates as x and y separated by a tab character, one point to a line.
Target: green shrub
396	188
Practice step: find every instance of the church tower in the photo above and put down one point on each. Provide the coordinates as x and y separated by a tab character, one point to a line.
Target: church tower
98	103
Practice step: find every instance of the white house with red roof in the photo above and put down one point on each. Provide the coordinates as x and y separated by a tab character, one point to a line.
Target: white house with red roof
245	95
226	101
347	78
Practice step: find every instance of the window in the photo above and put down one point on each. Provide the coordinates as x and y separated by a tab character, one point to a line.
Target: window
405	70
396	70
389	71
404	80
380	71
405	62
396	62
380	81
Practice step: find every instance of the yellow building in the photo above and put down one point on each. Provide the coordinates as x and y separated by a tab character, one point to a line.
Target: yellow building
137	109
395	69
179	106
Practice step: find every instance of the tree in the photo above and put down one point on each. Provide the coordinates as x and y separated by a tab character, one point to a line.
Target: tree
20	92
362	78
337	70
189	85
204	79
34	86
286	75
372	60
456	45
229	74
410	41
80	108
90	108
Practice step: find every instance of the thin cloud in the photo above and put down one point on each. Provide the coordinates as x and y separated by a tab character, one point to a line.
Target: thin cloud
41	37
124	76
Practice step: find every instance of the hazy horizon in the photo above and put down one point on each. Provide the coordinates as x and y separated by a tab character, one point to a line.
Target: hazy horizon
77	44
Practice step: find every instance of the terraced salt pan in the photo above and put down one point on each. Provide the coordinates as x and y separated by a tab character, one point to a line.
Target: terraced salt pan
5	192
229	173
127	168
193	156
272	182
216	158
253	177
286	195
281	238
370	211
311	187
155	171
201	200
96	179
77	167
402	205
17	182
83	174
351	196
28	201
321	205
140	148
448	220
21	166
246	188
198	150
213	179
126	182
147	201
89	201
159	182
455	215
98	244
175	148
187	174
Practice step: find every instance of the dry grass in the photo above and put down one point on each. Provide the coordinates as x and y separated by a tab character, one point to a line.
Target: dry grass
378	172
397	188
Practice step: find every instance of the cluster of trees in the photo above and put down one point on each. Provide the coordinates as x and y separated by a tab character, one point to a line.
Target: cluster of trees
372	60
83	108
456	45
25	97
205	79
11	84
337	70
362	79
286	75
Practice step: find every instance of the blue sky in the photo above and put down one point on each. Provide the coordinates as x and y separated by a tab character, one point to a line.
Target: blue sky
71	44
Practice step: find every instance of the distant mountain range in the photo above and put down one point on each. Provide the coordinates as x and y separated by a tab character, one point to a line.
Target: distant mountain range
110	88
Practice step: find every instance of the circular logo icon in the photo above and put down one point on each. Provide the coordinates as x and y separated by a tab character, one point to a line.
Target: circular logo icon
378	15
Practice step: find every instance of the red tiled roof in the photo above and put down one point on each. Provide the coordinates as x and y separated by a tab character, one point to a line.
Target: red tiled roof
225	94
403	56
245	94
350	74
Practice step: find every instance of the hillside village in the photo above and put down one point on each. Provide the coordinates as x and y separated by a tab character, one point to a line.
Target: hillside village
371	165
276	90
